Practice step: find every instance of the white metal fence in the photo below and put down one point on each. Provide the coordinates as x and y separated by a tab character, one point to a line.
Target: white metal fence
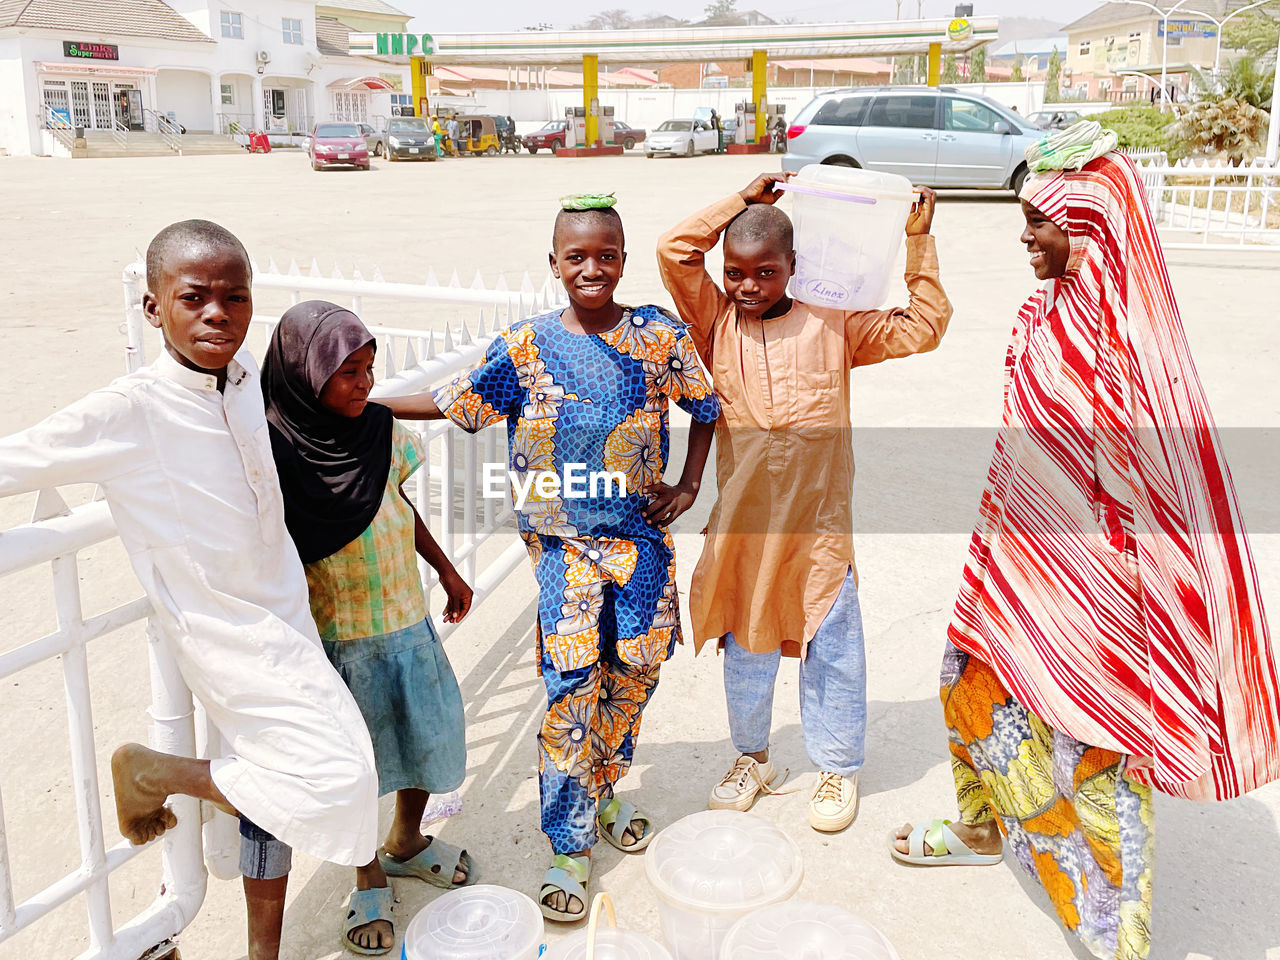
471	535
1207	204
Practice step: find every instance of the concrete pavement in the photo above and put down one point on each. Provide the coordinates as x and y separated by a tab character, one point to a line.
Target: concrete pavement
68	229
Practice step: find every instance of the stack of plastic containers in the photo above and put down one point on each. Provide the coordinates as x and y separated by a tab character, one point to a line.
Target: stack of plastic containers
713	868
849	227
800	930
606	943
476	923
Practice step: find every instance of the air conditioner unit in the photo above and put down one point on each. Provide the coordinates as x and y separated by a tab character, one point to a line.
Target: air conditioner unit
264	56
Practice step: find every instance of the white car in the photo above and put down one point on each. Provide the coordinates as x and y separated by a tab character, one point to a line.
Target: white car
681	138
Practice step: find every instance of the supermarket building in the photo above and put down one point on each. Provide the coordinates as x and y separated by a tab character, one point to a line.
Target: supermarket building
213	66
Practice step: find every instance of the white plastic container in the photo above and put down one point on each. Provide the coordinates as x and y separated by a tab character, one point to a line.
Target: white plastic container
713	868
606	943
483	922
803	930
849	227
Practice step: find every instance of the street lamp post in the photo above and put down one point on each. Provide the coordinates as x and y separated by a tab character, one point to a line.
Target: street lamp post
1164	51
1217	57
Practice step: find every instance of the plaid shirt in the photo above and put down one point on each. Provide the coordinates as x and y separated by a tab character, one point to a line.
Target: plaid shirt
371	586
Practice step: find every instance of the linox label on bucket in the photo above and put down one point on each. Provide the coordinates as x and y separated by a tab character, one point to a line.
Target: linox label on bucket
824	291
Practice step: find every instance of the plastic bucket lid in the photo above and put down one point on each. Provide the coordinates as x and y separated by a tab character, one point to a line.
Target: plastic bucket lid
611	944
723	862
837	182
802	930
482	922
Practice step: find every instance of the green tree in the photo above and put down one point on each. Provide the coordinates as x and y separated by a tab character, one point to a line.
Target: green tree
1052	92
1255	33
1016	76
978	66
1225	127
1245	78
904	70
950	69
922	67
720	9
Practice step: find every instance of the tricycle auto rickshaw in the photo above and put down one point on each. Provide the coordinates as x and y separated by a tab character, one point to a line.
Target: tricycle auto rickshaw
478	136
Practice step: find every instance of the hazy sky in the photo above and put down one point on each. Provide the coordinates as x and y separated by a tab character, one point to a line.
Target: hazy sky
434	16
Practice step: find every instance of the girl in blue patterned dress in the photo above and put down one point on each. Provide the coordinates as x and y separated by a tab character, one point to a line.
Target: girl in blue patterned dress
585	392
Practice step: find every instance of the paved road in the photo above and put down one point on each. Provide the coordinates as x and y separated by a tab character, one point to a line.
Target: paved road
924	423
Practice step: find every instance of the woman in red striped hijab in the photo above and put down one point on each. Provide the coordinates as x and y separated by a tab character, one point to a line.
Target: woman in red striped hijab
1109	636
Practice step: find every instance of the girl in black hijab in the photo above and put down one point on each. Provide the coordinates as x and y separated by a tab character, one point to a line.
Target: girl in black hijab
342	462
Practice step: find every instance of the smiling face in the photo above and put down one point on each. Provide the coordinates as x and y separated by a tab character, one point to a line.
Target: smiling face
1047	244
587	256
346	393
202	302
756	273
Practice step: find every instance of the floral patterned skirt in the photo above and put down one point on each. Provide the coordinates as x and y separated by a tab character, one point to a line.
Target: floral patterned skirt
1072	818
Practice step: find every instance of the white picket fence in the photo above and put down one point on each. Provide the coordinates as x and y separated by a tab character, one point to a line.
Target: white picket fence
471	534
1207	204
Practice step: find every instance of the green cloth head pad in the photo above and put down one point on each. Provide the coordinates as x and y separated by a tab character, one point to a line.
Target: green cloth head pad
588	201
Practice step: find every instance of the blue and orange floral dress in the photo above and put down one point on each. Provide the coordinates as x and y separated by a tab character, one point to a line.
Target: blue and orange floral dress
588	408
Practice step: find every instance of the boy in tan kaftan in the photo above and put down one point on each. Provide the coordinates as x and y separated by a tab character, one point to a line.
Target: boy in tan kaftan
776	574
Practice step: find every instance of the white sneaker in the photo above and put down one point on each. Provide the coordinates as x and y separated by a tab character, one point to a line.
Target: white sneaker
834	803
741	785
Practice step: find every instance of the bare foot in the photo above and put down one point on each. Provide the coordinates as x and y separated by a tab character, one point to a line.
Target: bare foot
140	809
399	848
563	902
984	838
377	934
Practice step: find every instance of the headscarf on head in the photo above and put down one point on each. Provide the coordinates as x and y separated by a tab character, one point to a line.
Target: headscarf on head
1110	583
333	470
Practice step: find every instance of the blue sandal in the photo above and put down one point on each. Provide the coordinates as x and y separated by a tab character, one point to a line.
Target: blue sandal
364	907
567	875
615	819
436	865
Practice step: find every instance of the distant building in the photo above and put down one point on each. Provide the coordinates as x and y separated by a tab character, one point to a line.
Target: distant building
1111	50
1033	55
212	68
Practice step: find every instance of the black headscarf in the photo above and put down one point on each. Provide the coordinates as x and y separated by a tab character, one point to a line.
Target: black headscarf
333	470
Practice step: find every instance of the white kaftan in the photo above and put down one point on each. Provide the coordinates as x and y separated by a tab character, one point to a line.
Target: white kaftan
192	485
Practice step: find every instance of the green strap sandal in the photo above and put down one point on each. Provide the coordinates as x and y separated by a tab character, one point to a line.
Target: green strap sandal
567	875
615	819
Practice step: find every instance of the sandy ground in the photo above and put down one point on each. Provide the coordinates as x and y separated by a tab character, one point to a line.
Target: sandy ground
924	431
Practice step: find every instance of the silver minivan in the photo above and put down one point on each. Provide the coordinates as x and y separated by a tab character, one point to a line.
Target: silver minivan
936	136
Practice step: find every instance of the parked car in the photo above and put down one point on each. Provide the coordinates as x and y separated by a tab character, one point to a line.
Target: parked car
338	144
1053	119
683	137
553	136
406	138
627	136
939	137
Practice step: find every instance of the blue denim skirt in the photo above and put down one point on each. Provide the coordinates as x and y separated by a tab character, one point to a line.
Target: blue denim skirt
411	703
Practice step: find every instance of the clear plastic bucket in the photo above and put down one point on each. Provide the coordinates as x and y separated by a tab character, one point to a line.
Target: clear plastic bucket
482	922
802	930
606	943
711	869
849	227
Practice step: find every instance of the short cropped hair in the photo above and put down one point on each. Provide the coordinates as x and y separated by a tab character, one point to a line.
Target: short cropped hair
762	223
606	216
186	235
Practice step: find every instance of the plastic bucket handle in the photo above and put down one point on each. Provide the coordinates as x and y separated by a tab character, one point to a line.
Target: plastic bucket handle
828	194
605	901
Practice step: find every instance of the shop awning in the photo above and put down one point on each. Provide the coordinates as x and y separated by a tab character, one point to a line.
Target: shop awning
369	83
113	69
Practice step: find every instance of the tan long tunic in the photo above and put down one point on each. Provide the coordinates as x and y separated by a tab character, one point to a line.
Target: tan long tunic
780	539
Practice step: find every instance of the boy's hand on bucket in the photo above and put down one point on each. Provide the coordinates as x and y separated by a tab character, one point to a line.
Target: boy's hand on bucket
760	190
920	219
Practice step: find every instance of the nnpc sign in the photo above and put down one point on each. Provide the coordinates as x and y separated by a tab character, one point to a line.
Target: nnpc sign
412	44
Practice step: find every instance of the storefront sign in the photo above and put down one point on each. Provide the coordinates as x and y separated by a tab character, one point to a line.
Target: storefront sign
1189	28
395	80
90	51
412	44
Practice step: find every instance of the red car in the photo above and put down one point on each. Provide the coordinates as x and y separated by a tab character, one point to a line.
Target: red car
552	136
338	144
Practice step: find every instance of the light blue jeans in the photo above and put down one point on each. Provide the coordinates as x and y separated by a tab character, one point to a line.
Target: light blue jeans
833	690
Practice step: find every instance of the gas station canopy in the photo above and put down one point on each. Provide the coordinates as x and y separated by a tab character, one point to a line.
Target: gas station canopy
809	40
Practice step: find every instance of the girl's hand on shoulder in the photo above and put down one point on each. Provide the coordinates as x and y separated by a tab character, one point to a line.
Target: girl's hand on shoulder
761	189
459	596
666	502
920	219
